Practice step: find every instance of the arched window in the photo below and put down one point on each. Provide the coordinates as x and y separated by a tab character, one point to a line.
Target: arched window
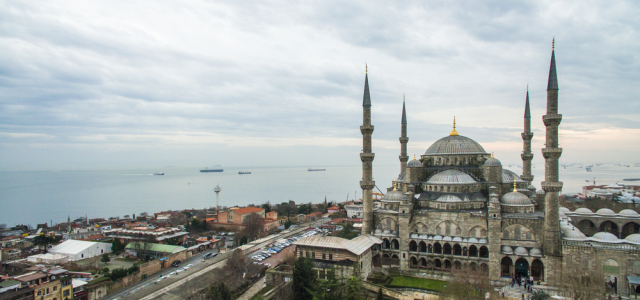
447	248
457	250
483	233
484	251
517	233
473	251
437	248
505	234
413	246
472	232
447	227
422	247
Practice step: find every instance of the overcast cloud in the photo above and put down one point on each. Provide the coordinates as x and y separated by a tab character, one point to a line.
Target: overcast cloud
111	84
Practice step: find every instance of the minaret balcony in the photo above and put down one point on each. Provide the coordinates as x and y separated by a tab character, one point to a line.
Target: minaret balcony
527	136
367	185
404	140
366	129
551	152
403	158
550	187
552	119
526	156
367	157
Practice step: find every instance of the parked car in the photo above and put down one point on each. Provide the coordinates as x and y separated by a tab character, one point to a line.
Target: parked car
176	263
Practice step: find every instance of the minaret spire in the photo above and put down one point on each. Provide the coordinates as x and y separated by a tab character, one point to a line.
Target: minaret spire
527	135
366	156
403	139
551	184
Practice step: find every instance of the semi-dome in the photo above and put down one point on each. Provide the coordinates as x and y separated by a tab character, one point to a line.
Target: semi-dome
395	196
531	187
515	199
564	209
507	250
574	234
605	211
508	176
449	198
414	163
628	212
450	177
492	162
633	238
583	210
477	196
455	144
535	252
605	237
521	251
540	192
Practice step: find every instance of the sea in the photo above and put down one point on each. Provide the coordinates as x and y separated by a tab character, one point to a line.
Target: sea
36	197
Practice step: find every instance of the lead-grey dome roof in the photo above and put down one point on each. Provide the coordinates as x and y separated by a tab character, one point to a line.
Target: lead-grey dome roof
395	196
449	198
515	199
414	163
450	176
492	162
455	144
508	176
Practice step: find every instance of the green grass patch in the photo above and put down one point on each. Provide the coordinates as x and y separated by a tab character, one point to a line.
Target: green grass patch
98	280
414	282
263	291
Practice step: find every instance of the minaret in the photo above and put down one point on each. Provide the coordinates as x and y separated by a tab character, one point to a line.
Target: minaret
527	135
366	156
217	189
551	154
403	140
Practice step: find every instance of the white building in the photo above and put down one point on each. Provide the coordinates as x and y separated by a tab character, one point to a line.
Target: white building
78	250
354	210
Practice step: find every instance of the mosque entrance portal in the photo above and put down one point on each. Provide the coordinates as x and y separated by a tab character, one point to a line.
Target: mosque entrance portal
522	267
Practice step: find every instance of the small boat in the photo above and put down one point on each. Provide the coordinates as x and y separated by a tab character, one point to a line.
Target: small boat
631	179
244	172
310	170
158	173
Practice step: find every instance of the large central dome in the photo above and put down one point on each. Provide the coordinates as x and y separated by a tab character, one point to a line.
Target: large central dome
455	144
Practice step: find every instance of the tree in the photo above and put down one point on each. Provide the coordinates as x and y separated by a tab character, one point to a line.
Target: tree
236	263
581	282
380	296
253	226
243	240
267	207
338	215
288	223
341	206
220	292
540	295
468	283
352	288
304	209
303	279
329	289
43	240
105	258
117	246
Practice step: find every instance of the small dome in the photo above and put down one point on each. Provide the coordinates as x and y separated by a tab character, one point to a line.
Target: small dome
395	196
449	198
515	199
414	163
507	250
561	213
531	187
477	196
521	251
583	210
378	231
386	231
447	238
564	209
633	238
540	192
457	239
574	234
437	238
508	176
628	212
482	241
473	240
455	144
605	211
492	162
535	252
450	176
605	237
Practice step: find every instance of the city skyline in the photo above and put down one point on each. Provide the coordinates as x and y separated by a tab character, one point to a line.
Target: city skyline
88	85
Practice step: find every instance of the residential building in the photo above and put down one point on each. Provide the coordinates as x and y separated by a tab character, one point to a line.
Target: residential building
333	209
238	215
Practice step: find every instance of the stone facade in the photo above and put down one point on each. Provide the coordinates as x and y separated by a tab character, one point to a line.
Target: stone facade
456	207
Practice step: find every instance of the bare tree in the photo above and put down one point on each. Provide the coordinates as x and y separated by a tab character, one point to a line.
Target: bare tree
468	283
253	226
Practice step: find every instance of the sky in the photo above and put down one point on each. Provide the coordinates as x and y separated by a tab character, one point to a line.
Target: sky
146	84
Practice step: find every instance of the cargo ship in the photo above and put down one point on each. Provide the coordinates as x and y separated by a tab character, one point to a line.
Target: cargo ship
158	173
310	170
206	170
244	172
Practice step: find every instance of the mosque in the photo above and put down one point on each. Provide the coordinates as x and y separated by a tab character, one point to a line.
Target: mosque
455	207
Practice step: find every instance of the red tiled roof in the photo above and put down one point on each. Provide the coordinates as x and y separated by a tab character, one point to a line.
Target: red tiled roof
246	210
334	207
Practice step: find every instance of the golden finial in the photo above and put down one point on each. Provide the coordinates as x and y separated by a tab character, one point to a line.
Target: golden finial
514	186
491	154
553	43
414	156
402	97
454	132
366	68
394	185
